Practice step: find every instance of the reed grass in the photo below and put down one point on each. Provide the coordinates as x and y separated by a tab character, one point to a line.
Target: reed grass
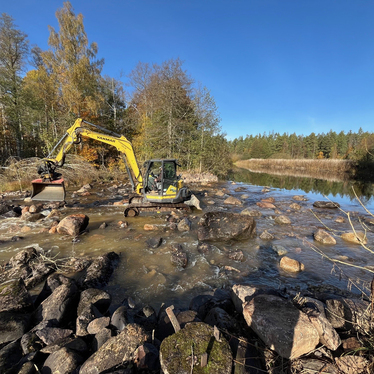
337	170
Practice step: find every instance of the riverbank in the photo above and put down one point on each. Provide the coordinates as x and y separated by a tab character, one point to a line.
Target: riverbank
335	170
270	273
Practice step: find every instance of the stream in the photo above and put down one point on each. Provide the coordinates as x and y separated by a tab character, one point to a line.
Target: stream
148	276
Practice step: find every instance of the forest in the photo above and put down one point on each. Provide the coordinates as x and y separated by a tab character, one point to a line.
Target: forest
343	146
163	111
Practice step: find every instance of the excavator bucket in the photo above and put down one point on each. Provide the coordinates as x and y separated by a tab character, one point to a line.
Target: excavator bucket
48	191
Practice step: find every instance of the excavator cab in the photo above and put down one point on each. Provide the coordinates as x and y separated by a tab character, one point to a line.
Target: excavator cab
161	182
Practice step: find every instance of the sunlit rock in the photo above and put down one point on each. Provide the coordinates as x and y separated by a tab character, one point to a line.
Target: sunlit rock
73	224
324	237
282	327
290	265
355	238
282	220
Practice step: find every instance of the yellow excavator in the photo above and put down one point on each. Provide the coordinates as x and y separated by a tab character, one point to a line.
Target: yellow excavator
160	187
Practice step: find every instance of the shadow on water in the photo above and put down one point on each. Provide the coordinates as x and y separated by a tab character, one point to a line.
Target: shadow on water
342	188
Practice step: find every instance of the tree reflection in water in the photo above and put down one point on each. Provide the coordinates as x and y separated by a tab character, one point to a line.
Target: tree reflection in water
307	183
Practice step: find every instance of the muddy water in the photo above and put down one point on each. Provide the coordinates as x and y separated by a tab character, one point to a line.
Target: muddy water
148	276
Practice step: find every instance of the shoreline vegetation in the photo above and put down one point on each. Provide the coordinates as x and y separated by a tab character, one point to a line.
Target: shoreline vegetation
333	170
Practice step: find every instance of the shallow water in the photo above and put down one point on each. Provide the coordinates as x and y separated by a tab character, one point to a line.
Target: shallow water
148	276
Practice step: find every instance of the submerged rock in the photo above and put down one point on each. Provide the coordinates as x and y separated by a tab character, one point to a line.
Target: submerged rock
355	238
226	226
326	204
324	237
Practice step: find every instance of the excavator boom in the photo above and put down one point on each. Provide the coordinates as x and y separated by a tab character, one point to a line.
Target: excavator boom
164	190
51	187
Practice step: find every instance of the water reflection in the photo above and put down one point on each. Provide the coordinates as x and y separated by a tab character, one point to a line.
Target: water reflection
334	187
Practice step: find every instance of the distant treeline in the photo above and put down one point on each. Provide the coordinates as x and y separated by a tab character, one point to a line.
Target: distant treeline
165	113
345	146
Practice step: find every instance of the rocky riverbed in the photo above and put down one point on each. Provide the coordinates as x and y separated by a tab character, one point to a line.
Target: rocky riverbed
62	314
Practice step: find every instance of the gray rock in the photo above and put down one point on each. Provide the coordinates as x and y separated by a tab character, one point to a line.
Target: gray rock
98	324
117	350
147	358
233	201
93	304
50	335
225	226
101	338
327	334
23	257
63	361
70	342
194	201
73	225
299	198
100	271
13	326
30	342
324	237
184	224
265	235
53	281
281	326
119	318
326	204
220	318
154	242
14	296
58	306
279	249
146	317
179	257
350	314
10	356
236	255
27	368
290	265
32	217
282	220
251	212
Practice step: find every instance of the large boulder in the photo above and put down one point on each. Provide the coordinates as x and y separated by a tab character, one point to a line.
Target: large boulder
281	326
99	272
181	352
14	296
59	306
13	326
226	226
117	350
73	225
63	361
93	304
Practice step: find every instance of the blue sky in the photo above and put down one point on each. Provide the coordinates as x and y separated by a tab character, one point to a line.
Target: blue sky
271	65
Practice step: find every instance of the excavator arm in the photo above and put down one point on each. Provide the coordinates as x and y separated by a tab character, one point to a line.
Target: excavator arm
51	187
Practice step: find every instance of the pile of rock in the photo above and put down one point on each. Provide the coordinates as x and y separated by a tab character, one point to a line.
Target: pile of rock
72	326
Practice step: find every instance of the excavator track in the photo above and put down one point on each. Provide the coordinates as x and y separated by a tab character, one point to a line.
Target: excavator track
133	209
